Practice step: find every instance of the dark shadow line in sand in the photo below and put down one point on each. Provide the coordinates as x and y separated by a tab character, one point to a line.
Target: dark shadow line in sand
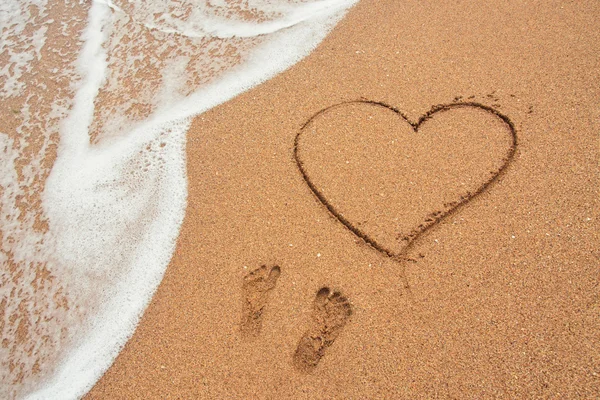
434	218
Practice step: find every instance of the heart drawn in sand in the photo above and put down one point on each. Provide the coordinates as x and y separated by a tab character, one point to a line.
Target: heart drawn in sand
388	179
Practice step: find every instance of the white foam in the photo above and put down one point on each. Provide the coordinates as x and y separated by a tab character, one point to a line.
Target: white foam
202	22
19	56
114	208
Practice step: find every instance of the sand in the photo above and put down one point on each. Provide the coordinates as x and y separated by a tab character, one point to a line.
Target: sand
490	295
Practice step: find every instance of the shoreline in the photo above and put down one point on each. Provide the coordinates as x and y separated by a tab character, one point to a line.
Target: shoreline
504	295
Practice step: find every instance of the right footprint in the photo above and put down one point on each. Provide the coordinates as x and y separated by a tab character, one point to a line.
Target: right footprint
330	314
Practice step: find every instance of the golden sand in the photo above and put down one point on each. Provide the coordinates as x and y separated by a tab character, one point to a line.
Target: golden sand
494	298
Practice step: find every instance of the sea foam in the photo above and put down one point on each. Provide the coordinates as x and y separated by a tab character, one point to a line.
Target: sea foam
92	160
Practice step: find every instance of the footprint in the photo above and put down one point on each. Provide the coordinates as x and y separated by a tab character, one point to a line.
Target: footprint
255	291
330	314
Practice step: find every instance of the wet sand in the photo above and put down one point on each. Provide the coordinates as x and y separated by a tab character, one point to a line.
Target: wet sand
468	269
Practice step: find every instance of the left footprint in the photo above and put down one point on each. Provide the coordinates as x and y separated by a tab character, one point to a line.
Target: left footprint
255	291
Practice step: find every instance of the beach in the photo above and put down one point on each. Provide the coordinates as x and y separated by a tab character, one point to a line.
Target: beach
496	296
299	199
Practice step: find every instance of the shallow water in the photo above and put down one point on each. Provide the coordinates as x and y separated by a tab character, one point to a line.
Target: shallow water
97	99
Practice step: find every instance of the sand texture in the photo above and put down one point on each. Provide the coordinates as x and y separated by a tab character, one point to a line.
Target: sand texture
422	191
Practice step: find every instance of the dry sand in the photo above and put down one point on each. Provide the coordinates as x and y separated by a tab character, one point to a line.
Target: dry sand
497	299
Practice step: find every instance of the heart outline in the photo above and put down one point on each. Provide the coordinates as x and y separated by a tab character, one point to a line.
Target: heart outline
437	216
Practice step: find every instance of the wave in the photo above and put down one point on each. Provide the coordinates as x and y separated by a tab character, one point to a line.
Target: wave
99	97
